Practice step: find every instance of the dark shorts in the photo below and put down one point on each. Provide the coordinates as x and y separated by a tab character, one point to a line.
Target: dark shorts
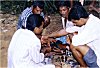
91	59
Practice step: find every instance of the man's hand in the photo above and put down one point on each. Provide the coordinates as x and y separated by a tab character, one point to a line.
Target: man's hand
44	39
51	40
46	21
46	49
70	36
49	54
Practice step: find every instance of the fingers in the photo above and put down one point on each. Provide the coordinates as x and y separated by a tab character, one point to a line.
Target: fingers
44	39
51	40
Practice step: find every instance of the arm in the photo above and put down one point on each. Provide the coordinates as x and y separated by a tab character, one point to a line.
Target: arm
86	36
55	34
46	21
59	33
37	57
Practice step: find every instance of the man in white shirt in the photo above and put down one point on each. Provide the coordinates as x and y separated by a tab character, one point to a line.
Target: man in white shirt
68	26
24	48
85	45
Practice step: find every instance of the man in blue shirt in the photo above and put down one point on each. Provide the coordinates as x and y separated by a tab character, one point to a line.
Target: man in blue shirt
36	8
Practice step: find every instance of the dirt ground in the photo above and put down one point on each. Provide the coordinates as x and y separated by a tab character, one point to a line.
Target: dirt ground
8	24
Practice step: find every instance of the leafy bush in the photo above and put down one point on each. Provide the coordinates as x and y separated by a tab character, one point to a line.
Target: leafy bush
16	7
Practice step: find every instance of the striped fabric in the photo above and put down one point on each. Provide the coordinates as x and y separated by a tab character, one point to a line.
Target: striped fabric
23	17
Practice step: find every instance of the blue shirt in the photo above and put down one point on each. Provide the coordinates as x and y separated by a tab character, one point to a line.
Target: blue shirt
23	17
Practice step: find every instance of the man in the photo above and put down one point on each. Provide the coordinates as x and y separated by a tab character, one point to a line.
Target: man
85	45
24	48
68	26
36	8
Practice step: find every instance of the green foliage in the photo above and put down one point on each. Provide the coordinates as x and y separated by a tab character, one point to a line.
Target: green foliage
50	7
13	7
16	7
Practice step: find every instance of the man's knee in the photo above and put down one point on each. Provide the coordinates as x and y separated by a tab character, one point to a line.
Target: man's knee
83	49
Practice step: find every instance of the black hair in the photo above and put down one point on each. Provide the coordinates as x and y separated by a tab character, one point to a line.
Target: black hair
28	4
62	3
77	3
77	12
34	20
40	4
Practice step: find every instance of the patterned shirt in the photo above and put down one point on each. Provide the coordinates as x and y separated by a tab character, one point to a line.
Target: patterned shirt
23	17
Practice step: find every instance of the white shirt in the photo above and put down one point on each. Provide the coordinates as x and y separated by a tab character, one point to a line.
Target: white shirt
90	35
70	27
24	51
